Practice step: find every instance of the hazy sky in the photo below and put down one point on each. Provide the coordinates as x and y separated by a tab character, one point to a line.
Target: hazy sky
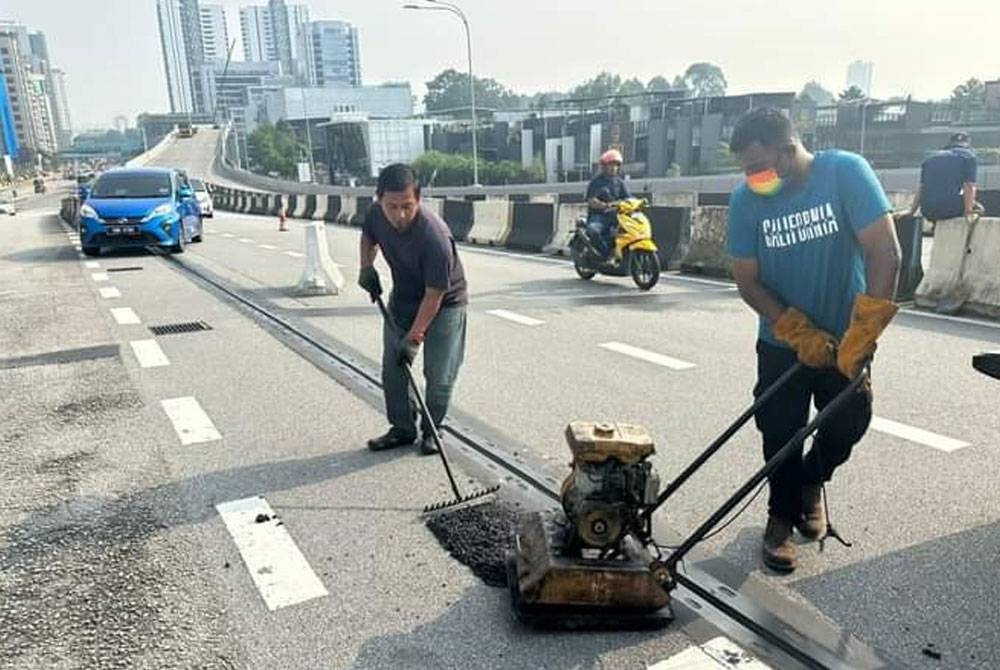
110	49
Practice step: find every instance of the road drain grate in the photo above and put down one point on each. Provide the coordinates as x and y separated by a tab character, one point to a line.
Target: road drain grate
180	328
130	268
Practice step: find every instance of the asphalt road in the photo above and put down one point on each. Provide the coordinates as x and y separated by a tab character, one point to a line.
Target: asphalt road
913	498
126	543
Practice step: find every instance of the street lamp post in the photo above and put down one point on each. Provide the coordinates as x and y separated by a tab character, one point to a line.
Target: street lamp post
443	6
864	119
309	141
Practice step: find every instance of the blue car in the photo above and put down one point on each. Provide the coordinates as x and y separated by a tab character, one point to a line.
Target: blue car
139	207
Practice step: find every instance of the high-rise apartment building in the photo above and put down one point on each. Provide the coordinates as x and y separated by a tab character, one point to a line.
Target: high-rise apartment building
332	54
859	73
214	31
276	32
183	53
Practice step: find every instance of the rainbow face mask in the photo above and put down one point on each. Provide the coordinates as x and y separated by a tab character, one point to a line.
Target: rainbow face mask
766	182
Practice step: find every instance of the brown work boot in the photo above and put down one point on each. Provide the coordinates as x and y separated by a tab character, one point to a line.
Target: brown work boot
778	550
812	525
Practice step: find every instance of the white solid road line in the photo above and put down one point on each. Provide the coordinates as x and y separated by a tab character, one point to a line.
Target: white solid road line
648	356
269	247
293	254
99	276
918	435
193	426
92	265
280	572
954	319
110	292
516	318
149	354
125	316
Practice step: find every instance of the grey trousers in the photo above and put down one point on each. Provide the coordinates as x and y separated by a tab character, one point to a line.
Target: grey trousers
443	353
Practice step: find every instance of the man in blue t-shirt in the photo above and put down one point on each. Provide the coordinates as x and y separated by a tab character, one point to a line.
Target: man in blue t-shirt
815	254
948	182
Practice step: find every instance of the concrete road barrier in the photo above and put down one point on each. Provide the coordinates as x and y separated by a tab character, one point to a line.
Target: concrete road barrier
308	206
320	275
707	250
689	200
320	212
672	234
334	205
458	216
982	269
435	205
990	199
532	225
348	209
364	203
720	199
567	214
942	288
491	220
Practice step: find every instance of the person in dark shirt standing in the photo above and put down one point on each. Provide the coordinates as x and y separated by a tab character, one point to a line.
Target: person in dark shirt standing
948	182
815	254
428	302
604	189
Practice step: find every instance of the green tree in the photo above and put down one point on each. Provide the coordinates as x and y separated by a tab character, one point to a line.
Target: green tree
853	94
971	93
814	91
658	84
275	149
631	87
704	80
450	90
456	170
604	85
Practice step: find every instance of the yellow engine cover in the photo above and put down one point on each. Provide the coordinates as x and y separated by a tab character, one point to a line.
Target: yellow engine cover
595	442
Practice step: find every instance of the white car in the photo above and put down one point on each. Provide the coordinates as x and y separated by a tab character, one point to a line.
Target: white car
7	205
203	197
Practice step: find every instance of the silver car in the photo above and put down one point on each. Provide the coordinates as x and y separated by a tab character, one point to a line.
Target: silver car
203	197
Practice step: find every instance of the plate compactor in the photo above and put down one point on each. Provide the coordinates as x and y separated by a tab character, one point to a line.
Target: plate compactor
594	563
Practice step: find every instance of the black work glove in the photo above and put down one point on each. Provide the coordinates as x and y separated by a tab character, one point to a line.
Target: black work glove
407	351
369	281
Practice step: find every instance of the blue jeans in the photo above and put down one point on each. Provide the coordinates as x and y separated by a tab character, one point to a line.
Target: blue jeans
443	352
599	226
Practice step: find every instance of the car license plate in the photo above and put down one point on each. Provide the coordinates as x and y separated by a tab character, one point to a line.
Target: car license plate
123	230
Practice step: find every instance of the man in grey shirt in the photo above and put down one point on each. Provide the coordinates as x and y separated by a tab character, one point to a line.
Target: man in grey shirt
427	303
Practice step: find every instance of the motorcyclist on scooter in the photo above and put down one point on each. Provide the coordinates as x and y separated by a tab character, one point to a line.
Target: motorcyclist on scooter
603	191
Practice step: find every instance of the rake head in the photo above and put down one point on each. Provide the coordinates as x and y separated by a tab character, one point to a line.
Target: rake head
478	497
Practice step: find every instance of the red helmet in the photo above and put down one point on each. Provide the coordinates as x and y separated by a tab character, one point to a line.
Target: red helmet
612	156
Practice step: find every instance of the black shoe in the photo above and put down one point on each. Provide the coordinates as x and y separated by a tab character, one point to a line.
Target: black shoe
427	445
391	440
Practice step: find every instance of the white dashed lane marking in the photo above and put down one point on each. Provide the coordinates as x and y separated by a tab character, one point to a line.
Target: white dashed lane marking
917	435
125	316
92	265
226	235
99	276
269	247
280	572
293	254
108	292
514	317
149	354
648	356
246	240
190	421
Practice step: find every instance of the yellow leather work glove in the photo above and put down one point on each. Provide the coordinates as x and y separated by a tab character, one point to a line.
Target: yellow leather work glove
868	319
815	348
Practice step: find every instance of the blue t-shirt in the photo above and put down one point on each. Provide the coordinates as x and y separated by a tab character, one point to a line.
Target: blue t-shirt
805	238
